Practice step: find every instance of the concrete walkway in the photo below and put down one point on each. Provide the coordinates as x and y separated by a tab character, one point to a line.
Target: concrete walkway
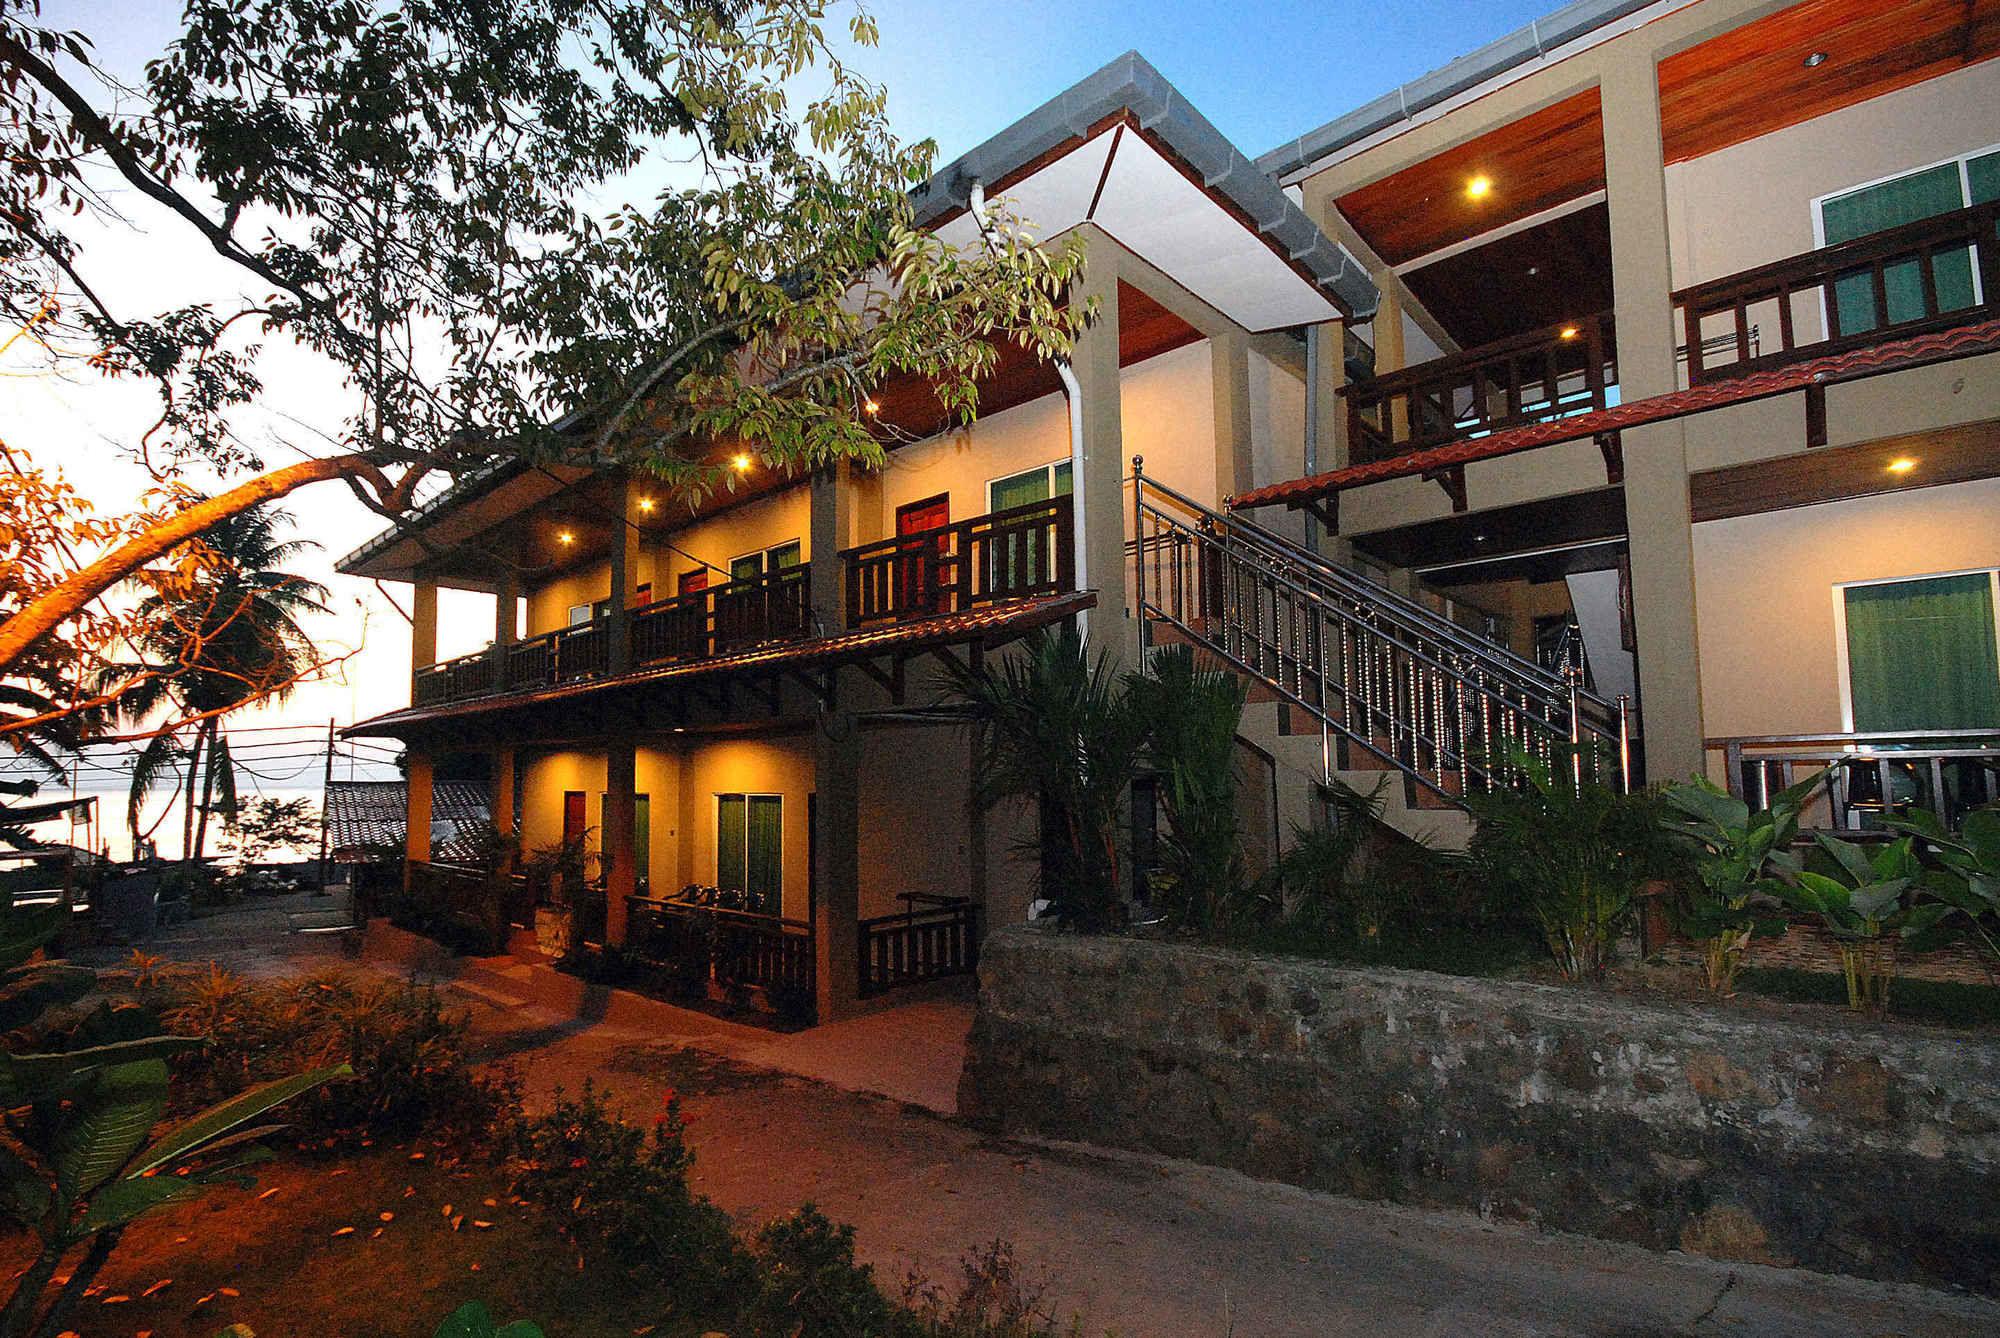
1136	1245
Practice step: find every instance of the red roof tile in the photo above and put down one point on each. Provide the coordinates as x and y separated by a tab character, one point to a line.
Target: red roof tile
1889	356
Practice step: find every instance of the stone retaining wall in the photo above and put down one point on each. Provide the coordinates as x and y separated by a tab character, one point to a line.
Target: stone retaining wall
1825	1141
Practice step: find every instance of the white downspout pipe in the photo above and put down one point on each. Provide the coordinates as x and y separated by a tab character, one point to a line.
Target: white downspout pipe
1073	392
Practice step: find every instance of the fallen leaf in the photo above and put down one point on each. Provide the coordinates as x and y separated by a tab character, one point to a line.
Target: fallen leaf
159	1286
475	1268
116	1300
376	1232
447	1210
492	1203
204	1300
483	1226
458	1221
416	1156
387	1217
342	1171
345	1231
227	1291
265	1195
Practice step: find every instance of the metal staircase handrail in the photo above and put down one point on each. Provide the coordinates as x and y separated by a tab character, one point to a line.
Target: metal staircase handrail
1425	621
1435	701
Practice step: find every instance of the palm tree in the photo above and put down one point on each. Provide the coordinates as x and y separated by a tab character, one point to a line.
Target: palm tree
217	641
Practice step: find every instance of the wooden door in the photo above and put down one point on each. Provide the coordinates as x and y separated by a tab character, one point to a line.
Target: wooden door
920	569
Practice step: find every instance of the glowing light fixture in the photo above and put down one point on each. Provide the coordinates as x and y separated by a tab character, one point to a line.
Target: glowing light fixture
1815	60
1902	464
1479	187
870	407
645	504
1569	332
565	538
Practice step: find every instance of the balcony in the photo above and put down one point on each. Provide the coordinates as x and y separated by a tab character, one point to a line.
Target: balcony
1933	275
1008	556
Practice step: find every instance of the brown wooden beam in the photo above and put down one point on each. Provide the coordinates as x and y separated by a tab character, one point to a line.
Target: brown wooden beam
1831	474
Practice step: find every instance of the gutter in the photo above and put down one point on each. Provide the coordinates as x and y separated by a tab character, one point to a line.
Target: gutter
1403	104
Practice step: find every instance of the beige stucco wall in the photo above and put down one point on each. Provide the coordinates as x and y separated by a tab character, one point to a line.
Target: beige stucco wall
1770	659
749	528
545	777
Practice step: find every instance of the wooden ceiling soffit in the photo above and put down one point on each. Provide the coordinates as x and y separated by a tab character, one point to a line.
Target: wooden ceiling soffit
1754	80
1542	160
1839	473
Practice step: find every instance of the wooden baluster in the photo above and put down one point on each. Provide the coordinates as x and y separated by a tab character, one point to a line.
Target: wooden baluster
1691	327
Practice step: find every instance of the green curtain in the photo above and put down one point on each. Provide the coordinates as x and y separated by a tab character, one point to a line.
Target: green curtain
1921	654
765	873
1983	174
1031	485
746	568
1926	194
731	841
1020	489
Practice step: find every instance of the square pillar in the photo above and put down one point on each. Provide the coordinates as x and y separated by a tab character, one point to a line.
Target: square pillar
417	810
1102	510
1659	525
1391	355
618	843
624	576
832	525
1229	357
1326	421
500	790
423	625
837	863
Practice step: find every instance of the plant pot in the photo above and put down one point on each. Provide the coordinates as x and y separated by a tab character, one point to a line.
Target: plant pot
554	930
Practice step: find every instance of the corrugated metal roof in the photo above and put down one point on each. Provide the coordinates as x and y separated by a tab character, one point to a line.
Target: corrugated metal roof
364	818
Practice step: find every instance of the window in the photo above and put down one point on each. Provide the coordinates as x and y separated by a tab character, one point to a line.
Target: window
752	565
579	614
1922	654
1908	198
1031	485
749	848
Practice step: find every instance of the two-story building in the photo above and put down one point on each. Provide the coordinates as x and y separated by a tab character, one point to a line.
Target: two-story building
1632	380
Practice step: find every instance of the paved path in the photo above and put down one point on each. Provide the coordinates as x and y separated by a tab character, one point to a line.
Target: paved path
1138	1245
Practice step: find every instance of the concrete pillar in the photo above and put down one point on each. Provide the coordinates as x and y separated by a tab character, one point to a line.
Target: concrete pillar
500	789
1390	353
832	522
1229	356
1659	526
417	809
624	576
621	816
506	609
1326	411
1100	492
837	864
423	625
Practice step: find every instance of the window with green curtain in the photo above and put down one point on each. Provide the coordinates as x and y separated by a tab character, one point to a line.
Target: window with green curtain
1888	204
1921	654
1030	485
1982	175
783	556
732	840
746	568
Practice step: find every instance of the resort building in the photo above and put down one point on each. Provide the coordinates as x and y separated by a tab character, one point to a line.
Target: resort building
1634	379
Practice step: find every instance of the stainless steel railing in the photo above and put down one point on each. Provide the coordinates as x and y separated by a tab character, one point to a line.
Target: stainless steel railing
1454	712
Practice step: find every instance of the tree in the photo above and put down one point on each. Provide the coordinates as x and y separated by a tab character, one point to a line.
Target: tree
266	826
401	186
210	645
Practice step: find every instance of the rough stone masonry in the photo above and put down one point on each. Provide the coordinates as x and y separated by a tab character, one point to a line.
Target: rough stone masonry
1826	1142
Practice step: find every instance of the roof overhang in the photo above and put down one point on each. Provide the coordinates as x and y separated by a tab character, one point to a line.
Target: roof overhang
1125	151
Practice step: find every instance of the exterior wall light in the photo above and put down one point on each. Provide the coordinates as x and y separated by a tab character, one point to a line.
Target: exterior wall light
1479	188
1902	464
565	538
645	504
741	464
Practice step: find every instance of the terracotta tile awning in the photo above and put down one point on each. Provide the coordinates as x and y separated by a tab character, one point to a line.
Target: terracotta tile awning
1888	356
991	625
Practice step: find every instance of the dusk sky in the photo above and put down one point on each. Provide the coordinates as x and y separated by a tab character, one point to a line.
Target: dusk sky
1262	72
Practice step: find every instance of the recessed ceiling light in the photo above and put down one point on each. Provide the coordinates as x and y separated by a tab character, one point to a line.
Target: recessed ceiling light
565	538
1815	60
741	464
1902	464
1479	187
1569	332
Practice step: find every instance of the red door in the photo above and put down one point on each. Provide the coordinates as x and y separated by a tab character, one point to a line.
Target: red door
920	574
691	581
573	816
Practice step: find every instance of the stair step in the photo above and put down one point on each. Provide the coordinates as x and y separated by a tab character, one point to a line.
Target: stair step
1360	759
1426	798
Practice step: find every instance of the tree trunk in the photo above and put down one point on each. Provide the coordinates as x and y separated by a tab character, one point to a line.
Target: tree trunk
187	818
63	601
209	728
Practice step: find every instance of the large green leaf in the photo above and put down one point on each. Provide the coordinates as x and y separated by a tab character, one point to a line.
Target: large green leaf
1851	858
112	1116
26	1188
25	1079
122	1200
193	1134
472	1320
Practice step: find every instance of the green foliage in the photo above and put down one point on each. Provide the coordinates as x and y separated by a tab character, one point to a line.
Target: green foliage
621	1197
1191	715
1960	890
1741	859
411	1073
1861	897
1575	854
1060	731
1320	884
472	1320
268	826
81	1160
808	1284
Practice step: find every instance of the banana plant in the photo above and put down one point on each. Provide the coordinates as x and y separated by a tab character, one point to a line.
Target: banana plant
81	1160
1963	892
1860	898
472	1320
1743	858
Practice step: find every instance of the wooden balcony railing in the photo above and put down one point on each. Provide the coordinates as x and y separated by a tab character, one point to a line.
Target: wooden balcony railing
733	949
1018	553
1014	554
1551	373
1946	772
1933	274
934	938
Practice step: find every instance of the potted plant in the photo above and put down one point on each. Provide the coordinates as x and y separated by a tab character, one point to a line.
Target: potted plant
558	872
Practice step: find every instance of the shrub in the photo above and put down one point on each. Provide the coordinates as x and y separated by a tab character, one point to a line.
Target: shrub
620	1196
809	1286
992	1301
1575	854
412	1074
1191	716
1742	859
